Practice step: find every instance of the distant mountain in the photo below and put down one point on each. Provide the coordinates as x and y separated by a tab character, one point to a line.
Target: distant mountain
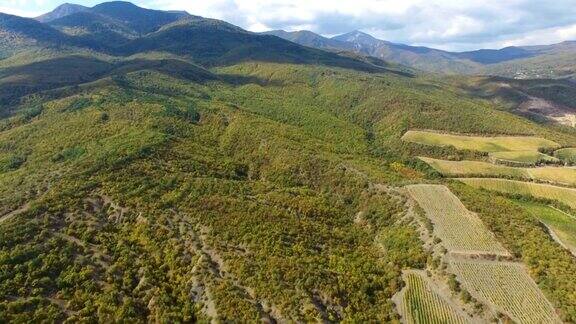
423	58
17	34
544	61
94	29
118	13
361	41
490	56
122	29
63	10
308	38
139	19
214	42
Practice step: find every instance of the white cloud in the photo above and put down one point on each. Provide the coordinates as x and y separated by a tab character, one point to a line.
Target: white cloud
448	24
19	12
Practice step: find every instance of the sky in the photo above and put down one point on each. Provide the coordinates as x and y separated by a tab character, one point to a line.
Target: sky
456	25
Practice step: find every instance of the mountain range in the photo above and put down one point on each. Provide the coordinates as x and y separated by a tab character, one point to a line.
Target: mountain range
118	26
520	62
157	166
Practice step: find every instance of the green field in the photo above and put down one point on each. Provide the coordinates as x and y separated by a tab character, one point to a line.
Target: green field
463	168
522	157
480	143
559	175
564	195
567	155
562	224
421	304
459	229
508	287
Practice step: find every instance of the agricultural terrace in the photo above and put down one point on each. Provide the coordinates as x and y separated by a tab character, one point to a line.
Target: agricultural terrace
421	304
464	168
567	155
508	287
480	143
562	225
563	195
566	175
459	229
559	175
522	157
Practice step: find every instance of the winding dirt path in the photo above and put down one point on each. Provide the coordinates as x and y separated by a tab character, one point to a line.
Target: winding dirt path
14	213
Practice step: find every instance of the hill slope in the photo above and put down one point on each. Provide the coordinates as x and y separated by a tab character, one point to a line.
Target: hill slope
201	173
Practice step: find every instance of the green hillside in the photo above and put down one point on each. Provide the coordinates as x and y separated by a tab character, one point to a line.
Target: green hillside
203	173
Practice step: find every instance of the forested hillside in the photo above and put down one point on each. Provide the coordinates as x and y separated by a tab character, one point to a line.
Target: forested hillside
199	172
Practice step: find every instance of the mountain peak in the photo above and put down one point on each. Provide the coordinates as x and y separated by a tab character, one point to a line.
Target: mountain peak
117	5
355	37
62	10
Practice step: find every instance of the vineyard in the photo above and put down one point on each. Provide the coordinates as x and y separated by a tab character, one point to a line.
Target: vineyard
522	157
421	304
463	168
459	229
508	287
480	143
560	175
564	195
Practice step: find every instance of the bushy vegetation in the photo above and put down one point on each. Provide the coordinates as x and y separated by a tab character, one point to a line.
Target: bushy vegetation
231	194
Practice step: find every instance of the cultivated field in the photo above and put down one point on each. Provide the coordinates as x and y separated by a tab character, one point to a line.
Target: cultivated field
421	304
567	155
566	175
522	157
459	229
563	195
480	143
559	175
508	287
464	168
562	225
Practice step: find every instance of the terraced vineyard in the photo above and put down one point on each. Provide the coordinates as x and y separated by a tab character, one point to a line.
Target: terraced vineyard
459	229
421	304
559	175
563	195
480	143
508	287
463	168
522	157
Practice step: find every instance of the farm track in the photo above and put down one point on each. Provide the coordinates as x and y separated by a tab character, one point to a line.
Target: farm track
557	239
15	213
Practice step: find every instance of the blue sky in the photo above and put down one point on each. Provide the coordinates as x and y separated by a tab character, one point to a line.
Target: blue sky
445	24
